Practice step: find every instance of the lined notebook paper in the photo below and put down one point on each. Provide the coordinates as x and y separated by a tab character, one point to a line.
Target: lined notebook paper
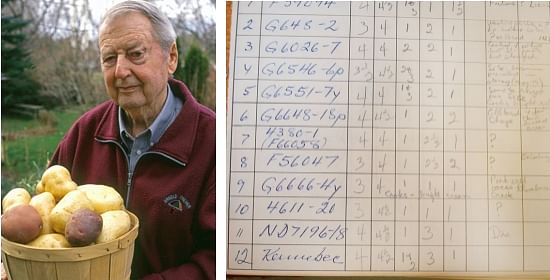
374	137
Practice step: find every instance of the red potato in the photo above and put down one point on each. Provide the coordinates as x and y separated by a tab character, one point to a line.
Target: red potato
83	227
21	224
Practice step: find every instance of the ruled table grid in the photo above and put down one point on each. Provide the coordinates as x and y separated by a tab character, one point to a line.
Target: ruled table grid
389	136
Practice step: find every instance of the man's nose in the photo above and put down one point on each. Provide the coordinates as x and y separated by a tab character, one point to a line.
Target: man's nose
122	68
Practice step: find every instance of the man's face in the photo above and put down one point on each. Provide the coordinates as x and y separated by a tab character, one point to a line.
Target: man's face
135	68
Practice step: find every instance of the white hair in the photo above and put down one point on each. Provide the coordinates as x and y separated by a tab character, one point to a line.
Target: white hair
164	32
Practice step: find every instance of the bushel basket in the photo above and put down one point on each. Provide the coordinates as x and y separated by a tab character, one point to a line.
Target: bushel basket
106	261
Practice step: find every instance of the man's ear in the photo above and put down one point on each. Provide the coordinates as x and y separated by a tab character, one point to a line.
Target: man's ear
173	58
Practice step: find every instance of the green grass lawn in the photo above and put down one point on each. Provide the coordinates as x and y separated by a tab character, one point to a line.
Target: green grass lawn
28	144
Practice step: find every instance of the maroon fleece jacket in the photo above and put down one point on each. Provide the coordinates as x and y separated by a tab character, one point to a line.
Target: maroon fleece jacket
172	189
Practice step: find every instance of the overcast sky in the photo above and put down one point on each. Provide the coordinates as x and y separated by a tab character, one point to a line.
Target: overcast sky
99	7
168	6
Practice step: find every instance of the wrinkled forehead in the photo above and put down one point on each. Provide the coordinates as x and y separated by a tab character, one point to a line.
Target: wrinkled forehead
117	24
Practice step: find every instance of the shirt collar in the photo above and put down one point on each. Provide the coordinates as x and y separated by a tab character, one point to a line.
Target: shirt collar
169	111
193	118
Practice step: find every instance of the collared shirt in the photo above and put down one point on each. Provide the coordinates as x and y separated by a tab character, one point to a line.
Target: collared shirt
135	147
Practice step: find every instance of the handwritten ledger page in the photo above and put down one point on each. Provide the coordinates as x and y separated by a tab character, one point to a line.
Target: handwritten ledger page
369	137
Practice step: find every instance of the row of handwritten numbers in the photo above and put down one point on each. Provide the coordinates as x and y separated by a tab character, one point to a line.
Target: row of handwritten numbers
375	258
383	162
455	9
405	258
359	48
359	70
361	26
250	91
360	116
381	139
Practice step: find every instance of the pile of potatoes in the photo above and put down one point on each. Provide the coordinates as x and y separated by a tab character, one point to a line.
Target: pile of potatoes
62	214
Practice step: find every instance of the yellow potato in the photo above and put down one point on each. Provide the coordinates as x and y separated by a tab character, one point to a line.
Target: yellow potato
71	202
115	224
39	188
103	198
15	197
44	203
50	240
57	180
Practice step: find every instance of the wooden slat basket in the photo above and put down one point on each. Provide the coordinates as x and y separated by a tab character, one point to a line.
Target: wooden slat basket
107	261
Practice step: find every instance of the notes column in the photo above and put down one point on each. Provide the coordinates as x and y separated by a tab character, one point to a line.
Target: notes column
243	137
534	59
504	141
301	146
475	77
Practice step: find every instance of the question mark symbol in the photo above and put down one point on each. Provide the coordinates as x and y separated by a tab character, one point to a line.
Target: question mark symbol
492	138
491	160
499	205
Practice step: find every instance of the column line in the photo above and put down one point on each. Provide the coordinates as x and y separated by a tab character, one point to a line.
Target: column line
347	150
465	146
487	129
395	141
372	128
520	142
419	129
443	125
256	136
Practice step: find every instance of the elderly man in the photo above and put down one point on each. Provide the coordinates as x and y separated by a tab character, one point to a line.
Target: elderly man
152	142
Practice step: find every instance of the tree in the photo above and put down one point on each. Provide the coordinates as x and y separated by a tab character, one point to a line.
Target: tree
17	85
194	20
194	70
178	74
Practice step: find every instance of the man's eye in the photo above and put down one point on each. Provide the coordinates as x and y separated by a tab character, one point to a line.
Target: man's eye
109	59
136	54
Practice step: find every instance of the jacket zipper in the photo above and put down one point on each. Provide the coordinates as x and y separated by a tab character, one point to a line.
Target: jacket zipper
129	181
128	187
130	174
183	164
